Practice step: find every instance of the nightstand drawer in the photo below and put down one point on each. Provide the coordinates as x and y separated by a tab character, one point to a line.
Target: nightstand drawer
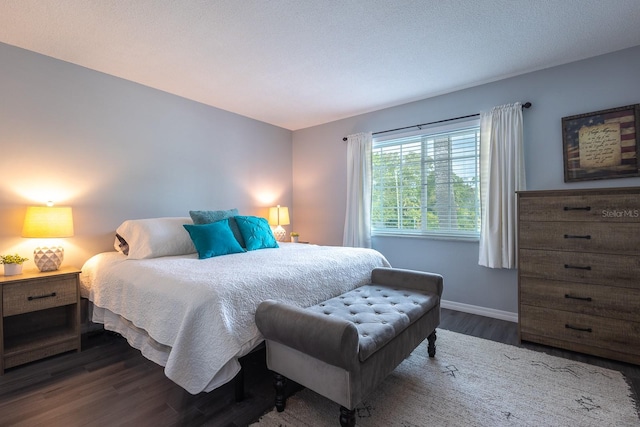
33	295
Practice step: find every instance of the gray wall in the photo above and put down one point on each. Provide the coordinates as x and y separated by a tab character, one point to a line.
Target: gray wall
319	163
115	150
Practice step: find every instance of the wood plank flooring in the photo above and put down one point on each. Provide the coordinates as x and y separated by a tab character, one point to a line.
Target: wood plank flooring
111	384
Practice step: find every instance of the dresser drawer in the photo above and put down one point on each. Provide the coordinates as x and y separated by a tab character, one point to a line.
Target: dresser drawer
33	295
584	267
596	300
579	329
581	236
602	207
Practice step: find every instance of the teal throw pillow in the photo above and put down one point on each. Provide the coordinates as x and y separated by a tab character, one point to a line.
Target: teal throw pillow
213	239
207	217
256	233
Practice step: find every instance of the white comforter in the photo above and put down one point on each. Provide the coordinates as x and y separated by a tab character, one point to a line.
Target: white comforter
203	310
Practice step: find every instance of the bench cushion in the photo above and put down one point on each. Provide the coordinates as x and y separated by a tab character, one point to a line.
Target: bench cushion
380	313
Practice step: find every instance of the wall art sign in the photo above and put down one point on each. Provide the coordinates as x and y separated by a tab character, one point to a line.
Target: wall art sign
602	144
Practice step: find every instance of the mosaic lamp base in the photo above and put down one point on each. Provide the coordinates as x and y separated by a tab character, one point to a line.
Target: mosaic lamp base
48	259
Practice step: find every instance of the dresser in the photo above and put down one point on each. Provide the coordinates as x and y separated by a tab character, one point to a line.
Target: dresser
40	315
579	270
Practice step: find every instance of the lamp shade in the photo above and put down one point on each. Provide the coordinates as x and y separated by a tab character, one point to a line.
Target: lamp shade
48	222
279	215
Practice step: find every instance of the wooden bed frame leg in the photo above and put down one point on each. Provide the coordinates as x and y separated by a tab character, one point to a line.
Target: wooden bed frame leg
432	344
238	384
279	382
347	417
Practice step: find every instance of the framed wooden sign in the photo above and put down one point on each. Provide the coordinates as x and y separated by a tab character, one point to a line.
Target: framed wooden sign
602	144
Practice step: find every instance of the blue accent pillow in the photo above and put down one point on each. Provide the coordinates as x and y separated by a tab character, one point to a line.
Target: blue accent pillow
213	239
207	217
256	233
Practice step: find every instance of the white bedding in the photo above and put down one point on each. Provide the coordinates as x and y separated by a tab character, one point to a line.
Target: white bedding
199	314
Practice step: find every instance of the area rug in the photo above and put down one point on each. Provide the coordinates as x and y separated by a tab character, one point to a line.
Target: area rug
477	382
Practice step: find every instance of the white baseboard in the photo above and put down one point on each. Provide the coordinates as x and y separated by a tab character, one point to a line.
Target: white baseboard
482	311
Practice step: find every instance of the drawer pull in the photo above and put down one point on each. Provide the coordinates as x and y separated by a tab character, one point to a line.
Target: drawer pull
585	208
575	328
578	298
52	294
572	236
578	267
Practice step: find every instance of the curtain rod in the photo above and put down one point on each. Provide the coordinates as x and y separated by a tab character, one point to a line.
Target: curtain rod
525	105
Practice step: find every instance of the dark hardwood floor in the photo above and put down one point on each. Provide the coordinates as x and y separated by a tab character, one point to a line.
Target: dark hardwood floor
111	384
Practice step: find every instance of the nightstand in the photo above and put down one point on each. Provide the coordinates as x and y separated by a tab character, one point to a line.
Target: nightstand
40	315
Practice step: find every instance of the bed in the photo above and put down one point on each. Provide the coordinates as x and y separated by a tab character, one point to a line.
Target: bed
195	316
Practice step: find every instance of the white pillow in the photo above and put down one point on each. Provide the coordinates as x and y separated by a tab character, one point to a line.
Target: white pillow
156	237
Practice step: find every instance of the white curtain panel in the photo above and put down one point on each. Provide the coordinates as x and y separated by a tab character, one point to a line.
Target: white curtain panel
501	175
357	224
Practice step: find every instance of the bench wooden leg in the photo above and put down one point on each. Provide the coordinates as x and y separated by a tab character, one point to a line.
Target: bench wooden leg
432	344
279	383
347	417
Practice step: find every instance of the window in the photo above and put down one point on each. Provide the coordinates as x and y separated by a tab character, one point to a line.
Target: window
428	183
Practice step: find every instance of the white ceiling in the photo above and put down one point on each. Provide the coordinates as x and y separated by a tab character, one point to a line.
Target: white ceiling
299	63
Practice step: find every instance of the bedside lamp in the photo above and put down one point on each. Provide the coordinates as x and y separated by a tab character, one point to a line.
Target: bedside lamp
48	222
279	216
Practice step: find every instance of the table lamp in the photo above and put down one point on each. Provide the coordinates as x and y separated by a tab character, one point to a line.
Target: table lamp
279	216
48	222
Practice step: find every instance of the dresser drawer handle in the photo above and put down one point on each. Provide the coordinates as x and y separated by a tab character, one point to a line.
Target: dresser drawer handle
572	236
575	328
578	267
581	208
578	298
52	294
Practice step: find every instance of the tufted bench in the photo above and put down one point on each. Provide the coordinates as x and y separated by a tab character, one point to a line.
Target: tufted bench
344	347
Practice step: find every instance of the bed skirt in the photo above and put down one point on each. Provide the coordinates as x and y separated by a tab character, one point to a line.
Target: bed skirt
151	349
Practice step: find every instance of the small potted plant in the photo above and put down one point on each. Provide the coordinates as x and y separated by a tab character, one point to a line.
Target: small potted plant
12	264
294	237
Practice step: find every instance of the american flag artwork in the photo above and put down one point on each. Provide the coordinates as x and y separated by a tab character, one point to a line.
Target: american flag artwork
601	144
